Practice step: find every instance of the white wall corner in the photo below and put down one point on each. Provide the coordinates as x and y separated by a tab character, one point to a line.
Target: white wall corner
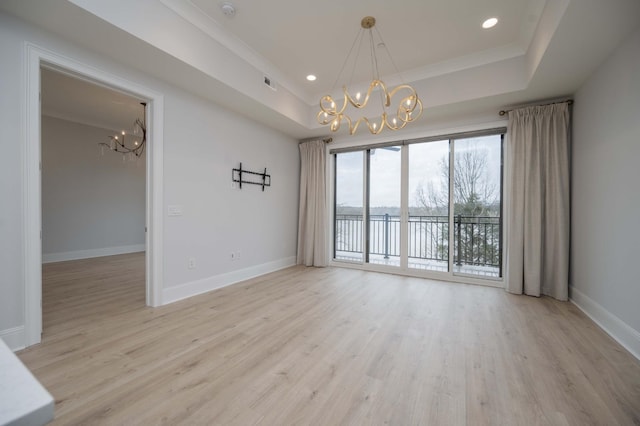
620	331
14	338
193	288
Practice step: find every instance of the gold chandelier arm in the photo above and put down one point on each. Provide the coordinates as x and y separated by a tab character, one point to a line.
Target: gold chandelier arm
407	105
374	127
396	123
407	115
356	102
329	105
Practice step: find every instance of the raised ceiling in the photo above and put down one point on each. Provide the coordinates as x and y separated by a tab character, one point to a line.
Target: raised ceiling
314	37
540	49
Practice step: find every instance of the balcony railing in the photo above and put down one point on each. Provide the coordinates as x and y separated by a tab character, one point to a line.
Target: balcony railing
477	239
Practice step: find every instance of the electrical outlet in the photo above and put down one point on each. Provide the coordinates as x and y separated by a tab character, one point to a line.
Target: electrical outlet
233	256
238	254
191	263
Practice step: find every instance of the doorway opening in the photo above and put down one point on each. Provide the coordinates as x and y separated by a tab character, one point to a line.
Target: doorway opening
93	200
37	60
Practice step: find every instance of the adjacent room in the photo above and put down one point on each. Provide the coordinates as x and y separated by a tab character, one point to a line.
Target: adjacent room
296	212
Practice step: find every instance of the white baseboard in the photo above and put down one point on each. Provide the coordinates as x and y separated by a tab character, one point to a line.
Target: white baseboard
86	254
193	288
13	337
620	331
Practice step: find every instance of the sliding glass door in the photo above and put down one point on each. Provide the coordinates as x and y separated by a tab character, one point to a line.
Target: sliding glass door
348	227
383	225
477	201
428	236
430	206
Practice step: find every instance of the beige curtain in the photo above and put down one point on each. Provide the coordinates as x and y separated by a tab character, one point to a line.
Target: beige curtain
538	209
312	217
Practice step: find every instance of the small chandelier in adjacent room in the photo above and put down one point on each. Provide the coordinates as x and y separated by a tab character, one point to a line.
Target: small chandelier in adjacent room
130	145
409	106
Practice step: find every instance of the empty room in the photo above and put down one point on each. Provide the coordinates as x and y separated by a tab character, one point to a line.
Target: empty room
327	213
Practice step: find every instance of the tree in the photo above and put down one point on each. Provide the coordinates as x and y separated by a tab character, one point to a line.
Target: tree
476	235
473	194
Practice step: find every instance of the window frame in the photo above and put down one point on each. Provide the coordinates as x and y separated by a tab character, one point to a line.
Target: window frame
403	269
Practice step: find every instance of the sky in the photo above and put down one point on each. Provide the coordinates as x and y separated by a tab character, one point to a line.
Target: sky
424	167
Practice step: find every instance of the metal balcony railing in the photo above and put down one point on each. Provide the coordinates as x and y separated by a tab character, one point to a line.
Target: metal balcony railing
477	239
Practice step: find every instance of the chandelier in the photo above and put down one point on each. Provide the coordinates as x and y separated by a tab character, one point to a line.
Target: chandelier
131	144
409	106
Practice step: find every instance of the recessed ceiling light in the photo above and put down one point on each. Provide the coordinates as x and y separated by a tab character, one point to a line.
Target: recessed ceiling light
311	77
490	23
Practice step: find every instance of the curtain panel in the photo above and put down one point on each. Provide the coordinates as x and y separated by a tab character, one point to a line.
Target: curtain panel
312	215
538	216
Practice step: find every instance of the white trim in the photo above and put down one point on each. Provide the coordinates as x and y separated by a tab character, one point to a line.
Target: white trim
87	254
620	331
35	57
13	337
31	198
193	288
155	201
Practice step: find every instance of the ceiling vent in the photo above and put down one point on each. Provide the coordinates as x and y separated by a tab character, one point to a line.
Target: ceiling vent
269	82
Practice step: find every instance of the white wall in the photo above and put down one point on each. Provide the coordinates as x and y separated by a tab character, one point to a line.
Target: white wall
202	143
605	243
92	204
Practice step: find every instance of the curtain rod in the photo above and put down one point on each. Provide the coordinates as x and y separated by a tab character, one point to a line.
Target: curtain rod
325	140
568	101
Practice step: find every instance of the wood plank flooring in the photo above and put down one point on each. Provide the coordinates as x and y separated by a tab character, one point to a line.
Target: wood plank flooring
324	347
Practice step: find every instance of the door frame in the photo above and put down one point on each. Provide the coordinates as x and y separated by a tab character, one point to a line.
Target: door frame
36	57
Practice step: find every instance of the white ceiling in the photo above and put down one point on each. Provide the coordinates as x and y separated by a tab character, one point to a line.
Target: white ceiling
540	49
314	37
70	98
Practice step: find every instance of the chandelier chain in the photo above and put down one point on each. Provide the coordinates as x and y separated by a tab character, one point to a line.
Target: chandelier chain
344	64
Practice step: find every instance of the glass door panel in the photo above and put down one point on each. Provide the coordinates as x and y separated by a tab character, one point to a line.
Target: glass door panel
477	195
383	242
428	226
349	206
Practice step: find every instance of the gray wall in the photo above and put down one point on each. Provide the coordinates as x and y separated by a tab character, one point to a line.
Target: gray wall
91	203
605	243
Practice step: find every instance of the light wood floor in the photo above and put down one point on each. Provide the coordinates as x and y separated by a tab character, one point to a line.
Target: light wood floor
324	347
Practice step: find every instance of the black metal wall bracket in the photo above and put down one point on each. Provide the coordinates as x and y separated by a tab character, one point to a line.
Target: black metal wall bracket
240	176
